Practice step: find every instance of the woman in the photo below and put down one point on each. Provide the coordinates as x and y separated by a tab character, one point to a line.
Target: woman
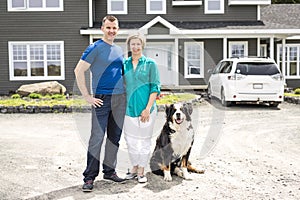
142	87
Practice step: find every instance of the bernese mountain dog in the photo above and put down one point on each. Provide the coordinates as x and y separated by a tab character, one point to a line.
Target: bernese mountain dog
174	144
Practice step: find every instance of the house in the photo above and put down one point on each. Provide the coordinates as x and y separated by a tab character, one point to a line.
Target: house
43	41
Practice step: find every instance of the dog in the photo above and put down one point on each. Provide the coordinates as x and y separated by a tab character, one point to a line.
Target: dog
174	144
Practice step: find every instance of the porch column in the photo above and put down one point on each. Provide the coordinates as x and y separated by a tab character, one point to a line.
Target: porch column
272	47
225	48
283	63
176	42
258	47
90	13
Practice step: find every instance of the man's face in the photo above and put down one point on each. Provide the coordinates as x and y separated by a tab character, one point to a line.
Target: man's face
110	30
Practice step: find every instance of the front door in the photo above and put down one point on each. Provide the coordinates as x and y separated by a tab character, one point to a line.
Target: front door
162	54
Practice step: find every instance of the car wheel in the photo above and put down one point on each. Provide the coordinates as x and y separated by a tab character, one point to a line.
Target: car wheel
274	104
223	99
209	91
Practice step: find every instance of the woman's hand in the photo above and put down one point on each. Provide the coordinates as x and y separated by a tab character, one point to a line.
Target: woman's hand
93	101
145	116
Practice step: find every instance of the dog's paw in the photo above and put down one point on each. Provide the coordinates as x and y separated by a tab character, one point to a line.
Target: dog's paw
186	174
167	176
178	172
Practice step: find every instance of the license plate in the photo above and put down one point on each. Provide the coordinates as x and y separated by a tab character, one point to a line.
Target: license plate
257	86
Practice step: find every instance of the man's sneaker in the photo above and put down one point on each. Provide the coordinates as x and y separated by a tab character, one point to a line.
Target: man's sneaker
88	186
114	177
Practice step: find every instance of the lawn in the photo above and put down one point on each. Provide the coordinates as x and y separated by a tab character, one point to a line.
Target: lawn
79	102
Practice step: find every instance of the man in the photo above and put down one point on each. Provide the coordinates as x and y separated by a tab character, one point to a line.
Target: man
105	61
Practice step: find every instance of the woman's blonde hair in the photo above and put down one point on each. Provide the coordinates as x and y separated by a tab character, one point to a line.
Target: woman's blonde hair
139	36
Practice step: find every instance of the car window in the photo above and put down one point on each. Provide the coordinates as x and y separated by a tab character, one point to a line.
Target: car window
226	67
256	68
217	68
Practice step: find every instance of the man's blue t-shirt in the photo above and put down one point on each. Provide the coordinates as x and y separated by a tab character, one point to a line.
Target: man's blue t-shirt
106	66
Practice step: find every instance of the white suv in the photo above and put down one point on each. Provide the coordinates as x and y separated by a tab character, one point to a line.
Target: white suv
246	80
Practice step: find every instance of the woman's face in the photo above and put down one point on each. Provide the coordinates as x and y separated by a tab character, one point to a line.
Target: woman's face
136	46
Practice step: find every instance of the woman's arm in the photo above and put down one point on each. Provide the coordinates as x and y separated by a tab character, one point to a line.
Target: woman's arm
145	115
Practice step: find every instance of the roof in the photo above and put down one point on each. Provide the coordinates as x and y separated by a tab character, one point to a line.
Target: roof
275	19
281	15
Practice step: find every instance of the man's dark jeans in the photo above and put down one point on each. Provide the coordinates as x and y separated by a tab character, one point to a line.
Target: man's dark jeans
108	118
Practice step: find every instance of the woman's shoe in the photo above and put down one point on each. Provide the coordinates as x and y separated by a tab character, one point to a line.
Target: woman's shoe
142	179
130	176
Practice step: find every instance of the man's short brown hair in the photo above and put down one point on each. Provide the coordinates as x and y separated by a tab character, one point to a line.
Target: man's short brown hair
110	18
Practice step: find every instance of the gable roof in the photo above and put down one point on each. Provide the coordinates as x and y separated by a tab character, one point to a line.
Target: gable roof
281	16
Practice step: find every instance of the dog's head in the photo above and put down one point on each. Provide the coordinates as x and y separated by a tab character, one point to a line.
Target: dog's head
178	113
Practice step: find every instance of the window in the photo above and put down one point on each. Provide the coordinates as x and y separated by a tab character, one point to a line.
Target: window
292	60
194	60
263	50
35	5
36	60
214	7
238	49
116	6
156	7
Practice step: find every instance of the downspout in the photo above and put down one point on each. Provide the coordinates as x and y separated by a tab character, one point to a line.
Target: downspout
283	57
258	47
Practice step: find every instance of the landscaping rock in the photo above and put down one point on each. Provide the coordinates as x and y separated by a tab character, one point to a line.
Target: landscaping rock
43	88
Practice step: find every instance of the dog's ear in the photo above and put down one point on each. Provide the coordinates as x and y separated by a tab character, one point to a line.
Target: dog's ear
188	110
168	109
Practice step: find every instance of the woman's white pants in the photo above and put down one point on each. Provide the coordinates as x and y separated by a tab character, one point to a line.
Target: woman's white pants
138	137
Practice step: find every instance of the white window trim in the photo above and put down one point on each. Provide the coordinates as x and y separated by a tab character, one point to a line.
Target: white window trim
109	11
163	11
287	69
245	43
221	11
25	9
186	67
264	46
28	77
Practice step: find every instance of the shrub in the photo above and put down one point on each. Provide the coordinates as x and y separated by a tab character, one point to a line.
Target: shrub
35	96
15	96
57	96
297	91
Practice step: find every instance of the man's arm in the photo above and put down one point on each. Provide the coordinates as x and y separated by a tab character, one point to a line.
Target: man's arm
80	69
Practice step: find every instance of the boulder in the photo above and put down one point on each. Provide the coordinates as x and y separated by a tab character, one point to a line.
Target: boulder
49	87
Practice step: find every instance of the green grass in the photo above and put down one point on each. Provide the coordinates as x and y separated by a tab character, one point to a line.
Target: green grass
78	101
42	102
174	98
291	95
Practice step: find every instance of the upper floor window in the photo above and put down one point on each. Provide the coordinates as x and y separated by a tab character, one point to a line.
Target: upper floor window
116	6
156	7
214	6
35	5
194	59
36	60
238	49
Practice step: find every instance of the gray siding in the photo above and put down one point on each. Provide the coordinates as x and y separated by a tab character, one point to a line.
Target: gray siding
212	55
137	12
44	26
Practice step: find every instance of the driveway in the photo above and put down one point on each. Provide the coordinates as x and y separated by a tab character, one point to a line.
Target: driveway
248	152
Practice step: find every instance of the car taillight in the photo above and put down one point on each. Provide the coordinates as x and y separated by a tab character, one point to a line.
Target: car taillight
277	77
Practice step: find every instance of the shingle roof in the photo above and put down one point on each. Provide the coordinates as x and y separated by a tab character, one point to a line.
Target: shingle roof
281	15
274	16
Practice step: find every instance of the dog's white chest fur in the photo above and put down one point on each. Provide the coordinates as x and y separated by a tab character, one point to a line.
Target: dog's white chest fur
181	140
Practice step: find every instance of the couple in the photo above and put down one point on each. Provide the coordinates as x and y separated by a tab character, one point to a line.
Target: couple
112	108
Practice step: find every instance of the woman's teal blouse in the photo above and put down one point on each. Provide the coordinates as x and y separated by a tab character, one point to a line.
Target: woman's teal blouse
140	83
